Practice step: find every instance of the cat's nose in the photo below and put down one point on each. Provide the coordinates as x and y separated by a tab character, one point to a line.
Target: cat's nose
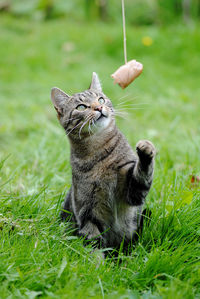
98	108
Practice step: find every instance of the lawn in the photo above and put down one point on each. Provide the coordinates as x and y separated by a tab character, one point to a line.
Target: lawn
39	256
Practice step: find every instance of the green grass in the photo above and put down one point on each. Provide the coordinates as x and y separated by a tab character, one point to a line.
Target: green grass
38	256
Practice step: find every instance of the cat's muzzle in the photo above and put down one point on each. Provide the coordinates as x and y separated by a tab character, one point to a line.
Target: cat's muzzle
101	114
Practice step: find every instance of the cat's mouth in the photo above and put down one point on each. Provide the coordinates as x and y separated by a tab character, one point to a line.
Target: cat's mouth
102	120
101	116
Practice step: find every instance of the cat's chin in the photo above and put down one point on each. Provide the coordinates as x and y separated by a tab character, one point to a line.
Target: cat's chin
102	123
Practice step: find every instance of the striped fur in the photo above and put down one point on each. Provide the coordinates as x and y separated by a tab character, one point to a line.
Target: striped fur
109	181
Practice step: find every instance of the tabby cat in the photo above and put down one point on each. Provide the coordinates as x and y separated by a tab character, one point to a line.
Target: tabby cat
109	181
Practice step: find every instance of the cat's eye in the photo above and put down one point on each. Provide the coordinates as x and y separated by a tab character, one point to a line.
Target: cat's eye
81	107
101	100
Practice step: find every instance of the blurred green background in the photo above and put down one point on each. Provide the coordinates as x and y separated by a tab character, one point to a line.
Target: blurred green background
138	12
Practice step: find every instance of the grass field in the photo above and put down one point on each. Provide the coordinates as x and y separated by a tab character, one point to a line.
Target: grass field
38	256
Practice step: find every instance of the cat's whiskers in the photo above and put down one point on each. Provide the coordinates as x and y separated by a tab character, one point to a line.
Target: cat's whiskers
122	114
122	108
84	123
129	100
90	124
67	121
118	112
131	108
89	127
123	97
93	122
131	105
74	128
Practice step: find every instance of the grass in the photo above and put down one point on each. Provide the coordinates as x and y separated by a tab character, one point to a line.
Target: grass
38	256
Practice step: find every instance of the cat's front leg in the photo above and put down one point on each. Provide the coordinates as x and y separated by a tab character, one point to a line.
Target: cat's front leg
146	152
141	176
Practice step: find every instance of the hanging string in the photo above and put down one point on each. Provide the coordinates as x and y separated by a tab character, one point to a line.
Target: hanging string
128	72
124	32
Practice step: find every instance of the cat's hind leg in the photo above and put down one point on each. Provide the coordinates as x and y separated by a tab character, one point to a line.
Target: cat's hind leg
66	211
90	233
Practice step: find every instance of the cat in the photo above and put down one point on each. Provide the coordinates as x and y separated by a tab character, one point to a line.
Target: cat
109	181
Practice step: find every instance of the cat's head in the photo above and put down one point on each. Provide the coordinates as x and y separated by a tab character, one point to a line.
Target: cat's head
86	113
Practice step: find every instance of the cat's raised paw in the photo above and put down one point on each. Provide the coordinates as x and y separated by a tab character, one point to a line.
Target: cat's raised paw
146	149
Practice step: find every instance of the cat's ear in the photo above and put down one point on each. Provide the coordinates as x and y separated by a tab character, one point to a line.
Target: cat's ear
95	84
59	99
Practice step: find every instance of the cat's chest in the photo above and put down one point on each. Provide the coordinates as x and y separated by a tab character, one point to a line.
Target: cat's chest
102	178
